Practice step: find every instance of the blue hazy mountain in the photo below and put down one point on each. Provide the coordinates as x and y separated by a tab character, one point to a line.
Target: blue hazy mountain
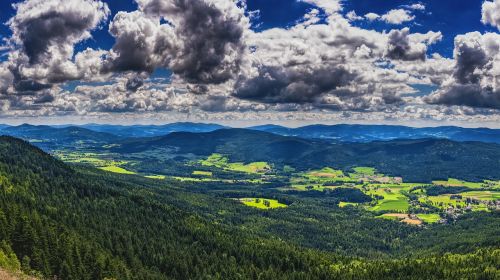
367	133
48	137
152	130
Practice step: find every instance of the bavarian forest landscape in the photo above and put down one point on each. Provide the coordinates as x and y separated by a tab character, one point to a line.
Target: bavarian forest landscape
249	139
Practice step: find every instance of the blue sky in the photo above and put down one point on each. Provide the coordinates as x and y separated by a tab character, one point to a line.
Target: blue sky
297	60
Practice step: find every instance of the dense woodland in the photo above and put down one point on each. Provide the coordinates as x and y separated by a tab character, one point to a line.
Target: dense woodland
81	223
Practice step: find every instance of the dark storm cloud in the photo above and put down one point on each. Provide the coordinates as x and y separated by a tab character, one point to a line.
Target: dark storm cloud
141	43
52	28
292	85
29	86
134	83
212	42
26	86
475	79
202	42
469	57
46	97
472	95
44	33
400	47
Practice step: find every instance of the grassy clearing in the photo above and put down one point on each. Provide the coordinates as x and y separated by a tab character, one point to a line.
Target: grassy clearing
319	180
325	172
116	169
365	170
429	218
216	160
482	195
262	203
392	200
254	167
443	201
459	183
202	173
222	162
400	205
345	204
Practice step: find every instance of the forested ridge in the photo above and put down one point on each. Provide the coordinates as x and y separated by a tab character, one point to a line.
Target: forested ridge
416	160
80	223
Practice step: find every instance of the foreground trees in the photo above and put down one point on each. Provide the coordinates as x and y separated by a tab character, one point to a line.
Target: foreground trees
84	224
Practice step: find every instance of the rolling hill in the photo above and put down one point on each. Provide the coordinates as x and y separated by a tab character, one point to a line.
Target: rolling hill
418	160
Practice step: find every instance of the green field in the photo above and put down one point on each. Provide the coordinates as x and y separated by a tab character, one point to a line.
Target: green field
202	173
429	218
253	167
392	200
443	201
459	183
222	162
116	169
344	204
482	195
262	203
399	205
365	170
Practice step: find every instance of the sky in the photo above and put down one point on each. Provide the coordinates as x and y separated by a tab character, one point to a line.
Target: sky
240	62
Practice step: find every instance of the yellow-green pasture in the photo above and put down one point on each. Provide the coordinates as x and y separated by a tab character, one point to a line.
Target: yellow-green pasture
262	203
345	204
429	218
365	170
222	162
253	167
459	183
482	195
202	173
393	199
116	169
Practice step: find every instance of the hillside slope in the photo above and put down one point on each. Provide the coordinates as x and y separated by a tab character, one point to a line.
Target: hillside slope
86	224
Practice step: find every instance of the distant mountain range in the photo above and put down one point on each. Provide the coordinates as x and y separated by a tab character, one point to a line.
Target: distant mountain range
367	133
332	133
151	130
48	138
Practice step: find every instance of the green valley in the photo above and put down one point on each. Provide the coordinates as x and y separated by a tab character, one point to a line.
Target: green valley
118	207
